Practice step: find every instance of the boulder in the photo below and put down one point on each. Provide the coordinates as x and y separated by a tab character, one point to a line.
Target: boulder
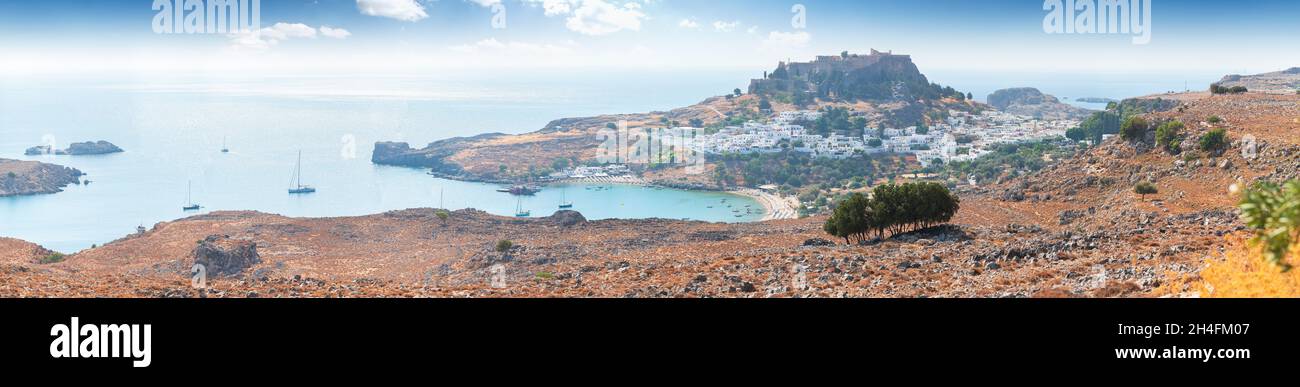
568	218
222	256
818	242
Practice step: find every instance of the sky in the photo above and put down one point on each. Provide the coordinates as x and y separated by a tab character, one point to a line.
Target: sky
421	36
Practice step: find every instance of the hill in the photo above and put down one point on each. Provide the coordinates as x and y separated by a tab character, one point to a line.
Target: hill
1277	82
1028	101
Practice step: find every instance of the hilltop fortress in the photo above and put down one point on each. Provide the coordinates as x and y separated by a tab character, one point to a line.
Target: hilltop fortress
880	76
799	76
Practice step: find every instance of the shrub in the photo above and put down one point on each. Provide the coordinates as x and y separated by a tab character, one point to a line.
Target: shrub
1220	89
1134	129
1214	141
1214	120
1272	212
1169	136
504	246
52	258
1145	188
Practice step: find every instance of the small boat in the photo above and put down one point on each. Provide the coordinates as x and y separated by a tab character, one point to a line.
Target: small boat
564	204
519	210
297	188
524	190
224	149
190	205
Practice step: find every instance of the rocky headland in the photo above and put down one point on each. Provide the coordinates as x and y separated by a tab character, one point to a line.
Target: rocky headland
1277	82
1028	101
19	177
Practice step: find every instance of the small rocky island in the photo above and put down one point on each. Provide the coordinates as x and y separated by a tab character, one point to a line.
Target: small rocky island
76	149
1028	101
32	178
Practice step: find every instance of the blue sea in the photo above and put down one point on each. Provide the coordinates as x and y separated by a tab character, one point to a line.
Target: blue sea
173	128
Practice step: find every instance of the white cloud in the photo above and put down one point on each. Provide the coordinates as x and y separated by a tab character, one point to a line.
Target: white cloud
787	40
599	17
752	30
336	33
270	36
688	23
404	10
722	26
555	7
589	17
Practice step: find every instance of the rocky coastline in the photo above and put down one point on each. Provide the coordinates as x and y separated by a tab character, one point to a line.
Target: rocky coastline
20	178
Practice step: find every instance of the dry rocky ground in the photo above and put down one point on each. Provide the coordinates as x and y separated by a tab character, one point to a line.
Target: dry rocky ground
1075	229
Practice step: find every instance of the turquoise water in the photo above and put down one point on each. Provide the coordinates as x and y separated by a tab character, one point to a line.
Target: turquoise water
173	130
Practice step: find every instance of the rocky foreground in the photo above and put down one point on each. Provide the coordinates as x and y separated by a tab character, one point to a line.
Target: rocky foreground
32	177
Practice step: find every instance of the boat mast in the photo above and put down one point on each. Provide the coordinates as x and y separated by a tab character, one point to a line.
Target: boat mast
297	170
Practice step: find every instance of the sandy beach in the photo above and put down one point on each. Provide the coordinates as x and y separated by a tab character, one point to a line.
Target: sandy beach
775	206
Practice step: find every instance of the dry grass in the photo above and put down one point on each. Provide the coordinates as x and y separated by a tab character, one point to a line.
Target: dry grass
1244	273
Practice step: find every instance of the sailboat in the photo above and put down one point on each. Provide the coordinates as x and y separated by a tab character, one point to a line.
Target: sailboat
189	200
224	149
519	209
564	204
297	187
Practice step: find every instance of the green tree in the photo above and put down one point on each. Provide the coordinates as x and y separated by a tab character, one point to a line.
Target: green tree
892	209
1145	188
736	92
764	104
443	215
851	220
1077	134
1272	212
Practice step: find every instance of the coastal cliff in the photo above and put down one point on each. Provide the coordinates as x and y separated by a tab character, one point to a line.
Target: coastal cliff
32	177
1028	101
